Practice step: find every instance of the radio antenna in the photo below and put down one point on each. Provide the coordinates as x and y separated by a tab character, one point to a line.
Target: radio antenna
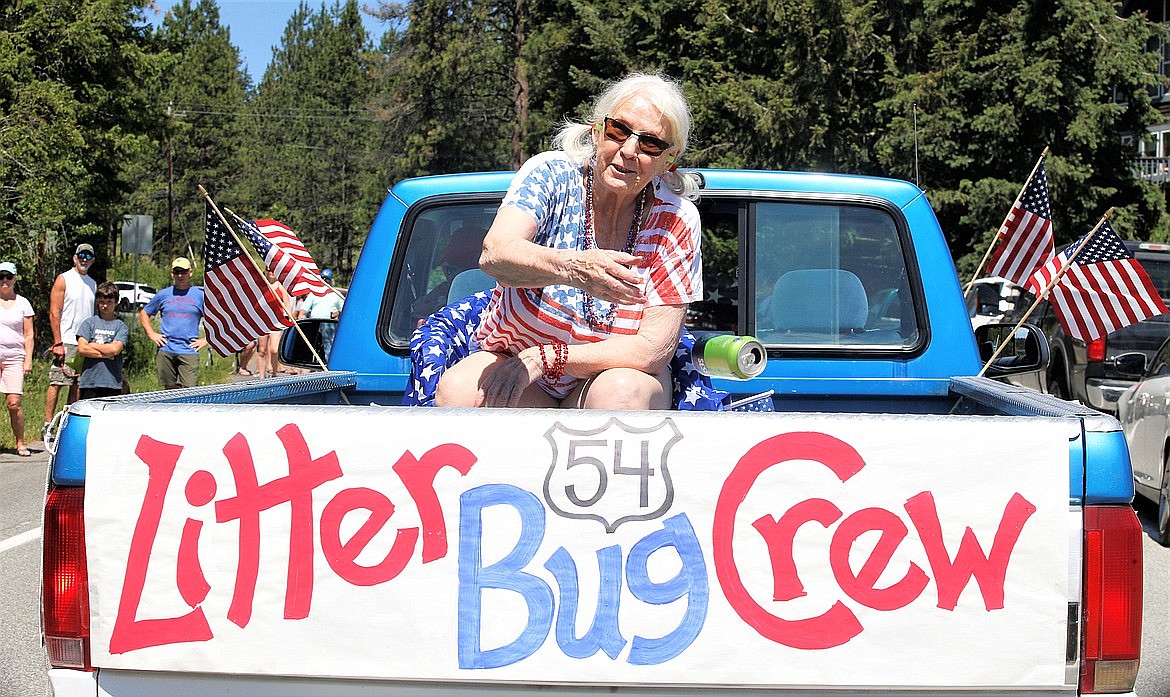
916	179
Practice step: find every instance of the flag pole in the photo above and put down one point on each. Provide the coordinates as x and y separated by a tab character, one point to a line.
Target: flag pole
1043	295
244	248
998	235
241	221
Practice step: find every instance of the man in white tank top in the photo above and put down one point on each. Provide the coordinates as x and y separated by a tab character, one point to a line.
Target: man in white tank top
70	302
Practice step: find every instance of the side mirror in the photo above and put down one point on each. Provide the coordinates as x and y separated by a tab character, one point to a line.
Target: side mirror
1132	364
295	351
1026	350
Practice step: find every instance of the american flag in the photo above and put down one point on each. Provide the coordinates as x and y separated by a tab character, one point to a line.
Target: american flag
1103	290
1026	236
239	305
286	257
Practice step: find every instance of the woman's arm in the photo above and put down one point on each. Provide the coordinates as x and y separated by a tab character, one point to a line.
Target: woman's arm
511	257
649	351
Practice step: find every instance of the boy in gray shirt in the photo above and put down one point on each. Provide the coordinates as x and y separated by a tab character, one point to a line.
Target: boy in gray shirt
100	340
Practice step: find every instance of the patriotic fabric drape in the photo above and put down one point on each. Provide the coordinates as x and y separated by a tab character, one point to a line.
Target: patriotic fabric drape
239	305
1103	290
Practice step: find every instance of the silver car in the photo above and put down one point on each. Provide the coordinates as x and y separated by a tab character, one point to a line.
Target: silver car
1144	412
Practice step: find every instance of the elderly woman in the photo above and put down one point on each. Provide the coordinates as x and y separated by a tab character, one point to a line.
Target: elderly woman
595	250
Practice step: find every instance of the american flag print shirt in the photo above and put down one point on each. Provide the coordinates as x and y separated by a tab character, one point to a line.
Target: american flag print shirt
551	188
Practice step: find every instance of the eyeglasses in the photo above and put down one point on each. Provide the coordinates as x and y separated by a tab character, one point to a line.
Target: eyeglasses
619	132
5	276
179	272
84	256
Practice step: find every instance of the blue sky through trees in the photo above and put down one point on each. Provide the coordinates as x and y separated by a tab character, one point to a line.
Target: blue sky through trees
257	25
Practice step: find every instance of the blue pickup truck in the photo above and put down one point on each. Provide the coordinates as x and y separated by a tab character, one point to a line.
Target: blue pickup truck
894	522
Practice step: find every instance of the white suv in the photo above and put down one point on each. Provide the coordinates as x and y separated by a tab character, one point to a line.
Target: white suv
128	299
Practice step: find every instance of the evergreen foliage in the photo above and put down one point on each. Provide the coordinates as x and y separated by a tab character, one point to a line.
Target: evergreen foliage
101	115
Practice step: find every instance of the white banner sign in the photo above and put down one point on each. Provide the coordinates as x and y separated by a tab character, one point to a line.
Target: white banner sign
575	546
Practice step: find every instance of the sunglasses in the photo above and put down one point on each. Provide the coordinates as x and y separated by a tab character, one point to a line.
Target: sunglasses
5	276
179	271
86	256
619	132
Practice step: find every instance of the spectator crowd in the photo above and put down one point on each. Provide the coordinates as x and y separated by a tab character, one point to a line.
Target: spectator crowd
89	339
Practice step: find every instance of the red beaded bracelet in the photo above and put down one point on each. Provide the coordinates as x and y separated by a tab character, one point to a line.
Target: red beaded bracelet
543	359
560	358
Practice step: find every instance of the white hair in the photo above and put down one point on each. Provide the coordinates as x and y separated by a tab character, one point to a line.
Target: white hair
576	139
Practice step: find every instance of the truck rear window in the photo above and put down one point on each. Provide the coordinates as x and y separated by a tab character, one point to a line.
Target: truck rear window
824	275
828	274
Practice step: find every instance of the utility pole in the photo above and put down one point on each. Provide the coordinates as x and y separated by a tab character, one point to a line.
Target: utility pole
170	183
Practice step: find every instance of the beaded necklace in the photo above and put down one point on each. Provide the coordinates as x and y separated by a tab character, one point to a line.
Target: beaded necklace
591	243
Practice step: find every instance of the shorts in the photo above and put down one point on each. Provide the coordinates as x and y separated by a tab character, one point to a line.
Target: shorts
94	392
61	374
12	376
177	369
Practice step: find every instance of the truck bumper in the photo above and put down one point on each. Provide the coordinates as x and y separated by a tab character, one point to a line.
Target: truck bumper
72	683
118	683
1103	394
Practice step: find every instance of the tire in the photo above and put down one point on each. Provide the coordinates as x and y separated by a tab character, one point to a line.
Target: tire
123	305
1163	519
1058	384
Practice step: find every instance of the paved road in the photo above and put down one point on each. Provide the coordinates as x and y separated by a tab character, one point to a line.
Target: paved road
23	663
22	660
1154	674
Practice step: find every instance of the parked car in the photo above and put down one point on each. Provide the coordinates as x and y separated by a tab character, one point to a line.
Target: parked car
132	296
989	298
1090	372
1144	412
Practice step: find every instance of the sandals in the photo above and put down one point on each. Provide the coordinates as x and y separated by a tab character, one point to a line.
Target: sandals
23	452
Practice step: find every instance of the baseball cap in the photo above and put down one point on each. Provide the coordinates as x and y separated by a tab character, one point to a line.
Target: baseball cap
181	263
327	273
84	247
10	268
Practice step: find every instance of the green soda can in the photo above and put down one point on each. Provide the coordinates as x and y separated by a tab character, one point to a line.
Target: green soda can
729	356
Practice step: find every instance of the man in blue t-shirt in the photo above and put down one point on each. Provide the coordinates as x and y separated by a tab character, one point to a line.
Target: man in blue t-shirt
178	340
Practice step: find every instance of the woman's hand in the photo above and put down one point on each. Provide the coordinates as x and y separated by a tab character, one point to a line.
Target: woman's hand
506	382
607	275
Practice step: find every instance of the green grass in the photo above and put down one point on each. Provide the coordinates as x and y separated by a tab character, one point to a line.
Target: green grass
140	371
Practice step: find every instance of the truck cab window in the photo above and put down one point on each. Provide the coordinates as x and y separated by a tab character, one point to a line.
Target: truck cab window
718	311
444	243
830	275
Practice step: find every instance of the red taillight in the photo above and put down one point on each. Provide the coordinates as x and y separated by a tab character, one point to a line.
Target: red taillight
1112	614
65	594
1095	350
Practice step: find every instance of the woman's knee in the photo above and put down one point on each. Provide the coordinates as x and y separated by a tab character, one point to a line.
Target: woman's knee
459	384
627	388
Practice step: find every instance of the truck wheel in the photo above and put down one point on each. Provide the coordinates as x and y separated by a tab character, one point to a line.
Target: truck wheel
1055	387
123	305
1164	504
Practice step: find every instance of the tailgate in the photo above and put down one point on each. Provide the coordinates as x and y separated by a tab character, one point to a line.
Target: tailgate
582	548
